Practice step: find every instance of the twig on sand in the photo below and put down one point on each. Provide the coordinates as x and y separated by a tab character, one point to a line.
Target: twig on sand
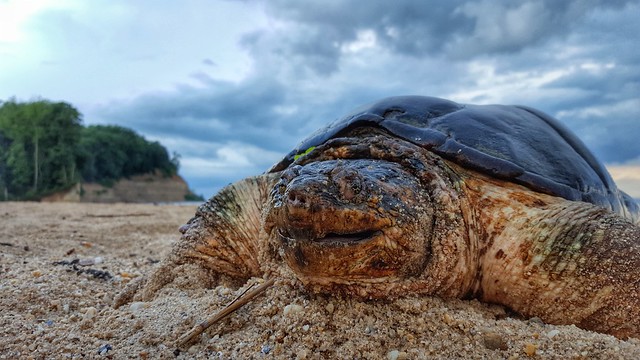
237	303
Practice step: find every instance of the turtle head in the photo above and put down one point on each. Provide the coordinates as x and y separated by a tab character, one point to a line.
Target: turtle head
350	223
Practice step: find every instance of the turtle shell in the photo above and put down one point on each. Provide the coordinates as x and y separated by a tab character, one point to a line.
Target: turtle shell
514	143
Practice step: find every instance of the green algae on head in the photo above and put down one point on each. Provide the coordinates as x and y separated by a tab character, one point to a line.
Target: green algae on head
296	157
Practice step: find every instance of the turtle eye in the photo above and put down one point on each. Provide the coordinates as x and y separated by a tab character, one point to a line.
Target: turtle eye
279	188
291	173
348	182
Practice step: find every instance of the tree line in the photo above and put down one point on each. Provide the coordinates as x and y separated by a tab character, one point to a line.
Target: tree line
44	148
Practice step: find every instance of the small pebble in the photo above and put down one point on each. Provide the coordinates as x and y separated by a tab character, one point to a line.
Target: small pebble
104	349
302	354
330	308
223	290
305	328
91	261
86	262
136	306
292	309
36	273
396	355
90	312
530	349
553	333
393	354
447	319
495	341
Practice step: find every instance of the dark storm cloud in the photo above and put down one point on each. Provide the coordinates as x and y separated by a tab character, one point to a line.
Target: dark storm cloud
219	110
606	110
428	28
576	60
615	144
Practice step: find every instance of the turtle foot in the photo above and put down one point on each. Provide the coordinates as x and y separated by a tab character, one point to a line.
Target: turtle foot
171	275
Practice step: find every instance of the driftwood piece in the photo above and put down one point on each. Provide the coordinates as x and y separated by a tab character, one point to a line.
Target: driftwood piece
237	303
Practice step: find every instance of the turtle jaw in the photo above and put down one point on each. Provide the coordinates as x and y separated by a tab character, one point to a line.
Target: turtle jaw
330	239
364	257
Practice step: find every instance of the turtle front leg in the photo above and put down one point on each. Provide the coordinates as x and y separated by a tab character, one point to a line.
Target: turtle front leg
224	238
226	234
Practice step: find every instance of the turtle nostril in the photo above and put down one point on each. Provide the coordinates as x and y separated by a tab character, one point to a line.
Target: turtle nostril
296	198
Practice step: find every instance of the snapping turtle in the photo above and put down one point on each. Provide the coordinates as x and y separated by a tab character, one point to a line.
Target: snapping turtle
420	195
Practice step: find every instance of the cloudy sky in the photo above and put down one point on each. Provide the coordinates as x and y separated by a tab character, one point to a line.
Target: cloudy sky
233	85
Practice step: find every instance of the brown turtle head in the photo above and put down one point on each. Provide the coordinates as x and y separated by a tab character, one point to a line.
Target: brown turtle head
350	222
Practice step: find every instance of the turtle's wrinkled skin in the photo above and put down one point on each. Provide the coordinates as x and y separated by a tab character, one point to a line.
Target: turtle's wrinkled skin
374	214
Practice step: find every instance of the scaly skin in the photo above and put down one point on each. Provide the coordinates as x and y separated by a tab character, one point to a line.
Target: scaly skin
565	262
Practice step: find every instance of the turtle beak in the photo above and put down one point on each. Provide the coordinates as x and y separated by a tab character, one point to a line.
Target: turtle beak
322	207
330	239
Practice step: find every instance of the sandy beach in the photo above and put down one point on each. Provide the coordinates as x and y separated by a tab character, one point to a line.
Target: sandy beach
63	264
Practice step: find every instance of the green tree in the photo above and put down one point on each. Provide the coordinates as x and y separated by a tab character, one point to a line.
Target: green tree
44	148
110	152
5	143
42	154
